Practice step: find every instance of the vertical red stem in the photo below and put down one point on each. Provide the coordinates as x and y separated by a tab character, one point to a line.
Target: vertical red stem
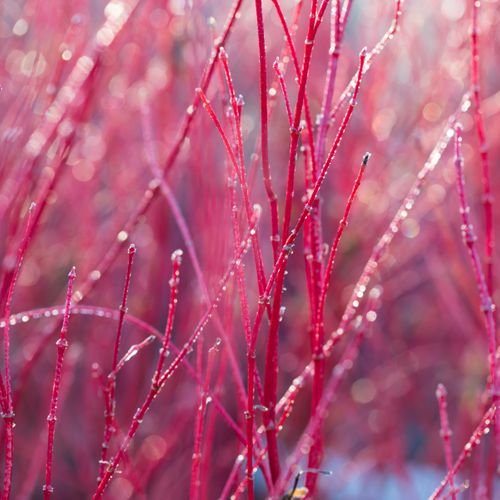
110	388
62	345
277	278
155	382
483	146
446	434
273	201
159	379
315	456
486	302
6	389
194	491
472	443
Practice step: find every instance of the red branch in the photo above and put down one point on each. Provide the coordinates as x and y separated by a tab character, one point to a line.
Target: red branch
446	434
62	345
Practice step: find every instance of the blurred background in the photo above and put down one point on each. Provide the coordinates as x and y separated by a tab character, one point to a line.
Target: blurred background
89	159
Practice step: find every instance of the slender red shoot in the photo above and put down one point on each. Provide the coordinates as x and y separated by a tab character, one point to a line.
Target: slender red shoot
446	433
62	345
5	388
110	425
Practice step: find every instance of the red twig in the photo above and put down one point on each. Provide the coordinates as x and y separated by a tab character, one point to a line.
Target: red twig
277	278
487	305
319	331
281	79
242	290
378	252
446	434
483	146
239	165
154	186
483	428
159	379
155	383
110	385
6	389
194	491
331	73
342	367
377	49
62	345
189	243
174	287
266	171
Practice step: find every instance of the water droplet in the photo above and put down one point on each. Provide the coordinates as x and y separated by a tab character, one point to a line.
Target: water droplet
131	353
62	343
122	236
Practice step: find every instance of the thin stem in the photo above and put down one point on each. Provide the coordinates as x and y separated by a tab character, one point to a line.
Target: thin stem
6	389
189	243
486	302
295	128
281	79
174	288
132	351
273	201
62	345
236	105
110	385
159	380
154	186
335	245
277	278
483	428
194	490
446	434
342	367
241	283
319	331
379	250
155	382
377	49
483	146
331	74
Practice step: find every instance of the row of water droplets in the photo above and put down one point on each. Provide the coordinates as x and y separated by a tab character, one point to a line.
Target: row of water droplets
52	312
394	226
